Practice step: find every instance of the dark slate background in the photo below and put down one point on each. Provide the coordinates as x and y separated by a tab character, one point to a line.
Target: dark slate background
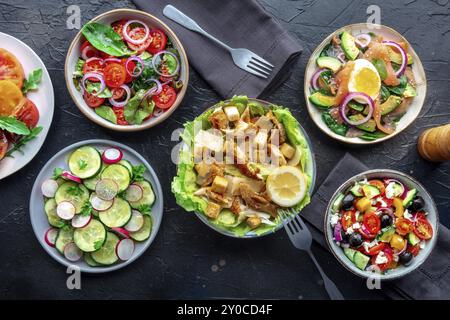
183	260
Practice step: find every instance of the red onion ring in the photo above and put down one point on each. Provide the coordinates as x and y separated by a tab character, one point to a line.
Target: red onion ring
137	59
121	104
169	53
350	97
85	51
387	181
117	60
94	59
153	90
386	210
93	75
365	37
397	253
338	232
315	78
394	44
131	40
157	112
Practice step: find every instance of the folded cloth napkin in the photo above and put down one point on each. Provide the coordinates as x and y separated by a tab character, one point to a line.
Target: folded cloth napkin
430	281
240	24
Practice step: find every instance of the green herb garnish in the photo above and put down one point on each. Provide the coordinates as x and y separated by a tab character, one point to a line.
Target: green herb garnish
34	78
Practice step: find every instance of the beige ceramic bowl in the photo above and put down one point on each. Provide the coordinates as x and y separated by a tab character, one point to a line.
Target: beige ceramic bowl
74	53
417	68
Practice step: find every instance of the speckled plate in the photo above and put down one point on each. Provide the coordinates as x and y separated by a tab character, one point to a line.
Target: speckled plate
39	219
417	68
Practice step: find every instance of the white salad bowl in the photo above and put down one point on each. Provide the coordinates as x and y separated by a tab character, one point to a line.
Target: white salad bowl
39	220
74	53
429	207
417	68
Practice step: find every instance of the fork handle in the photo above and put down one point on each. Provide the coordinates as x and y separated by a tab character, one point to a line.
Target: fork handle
179	17
331	288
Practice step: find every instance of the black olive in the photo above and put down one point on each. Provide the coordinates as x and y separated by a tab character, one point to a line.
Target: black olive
416	204
347	202
345	237
386	220
355	240
406	258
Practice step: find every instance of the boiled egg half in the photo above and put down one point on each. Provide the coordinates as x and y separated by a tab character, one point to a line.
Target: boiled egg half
365	78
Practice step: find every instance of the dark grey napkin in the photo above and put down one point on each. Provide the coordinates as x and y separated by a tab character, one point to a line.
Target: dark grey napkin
429	281
240	24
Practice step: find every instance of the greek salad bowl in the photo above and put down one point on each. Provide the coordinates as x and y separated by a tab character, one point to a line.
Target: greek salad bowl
381	224
364	84
126	70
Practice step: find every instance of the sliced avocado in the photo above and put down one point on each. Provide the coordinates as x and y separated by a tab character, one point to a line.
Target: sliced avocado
322	100
410	195
106	113
413	239
330	63
390	104
348	45
370	191
386	234
396	57
337	203
350	253
410	91
360	260
356	190
369	126
356	106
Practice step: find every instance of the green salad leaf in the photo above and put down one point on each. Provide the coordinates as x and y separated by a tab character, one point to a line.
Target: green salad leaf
78	73
12	125
34	78
340	129
94	87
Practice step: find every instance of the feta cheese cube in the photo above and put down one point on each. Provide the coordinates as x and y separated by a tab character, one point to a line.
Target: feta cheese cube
350	230
381	258
287	150
219	185
232	113
334	219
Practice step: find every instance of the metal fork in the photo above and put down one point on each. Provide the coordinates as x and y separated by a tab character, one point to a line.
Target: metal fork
301	238
243	58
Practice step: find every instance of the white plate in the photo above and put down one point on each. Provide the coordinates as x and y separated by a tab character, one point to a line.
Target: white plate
39	219
419	74
43	98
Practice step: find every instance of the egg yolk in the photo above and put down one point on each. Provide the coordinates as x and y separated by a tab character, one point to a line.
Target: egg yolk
366	80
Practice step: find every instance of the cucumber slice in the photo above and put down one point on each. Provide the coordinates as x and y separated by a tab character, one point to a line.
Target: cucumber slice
127	164
350	253
85	162
360	260
119	174
64	237
91	262
107	254
413	239
90	183
116	216
148	196
356	190
337	203
386	234
91	237
144	233
73	192
52	217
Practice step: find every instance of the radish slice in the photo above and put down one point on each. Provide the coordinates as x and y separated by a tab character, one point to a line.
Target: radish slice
49	188
106	189
65	210
125	249
134	193
99	204
50	236
81	221
112	155
68	176
136	221
121	232
72	252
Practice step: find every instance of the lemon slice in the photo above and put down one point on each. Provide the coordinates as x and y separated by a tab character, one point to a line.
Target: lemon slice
286	186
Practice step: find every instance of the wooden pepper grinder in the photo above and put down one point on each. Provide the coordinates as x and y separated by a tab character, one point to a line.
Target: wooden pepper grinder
434	144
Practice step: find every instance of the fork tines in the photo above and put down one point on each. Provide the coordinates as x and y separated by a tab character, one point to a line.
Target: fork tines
260	66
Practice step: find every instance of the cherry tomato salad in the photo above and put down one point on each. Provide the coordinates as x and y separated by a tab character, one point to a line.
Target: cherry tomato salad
127	72
98	207
380	224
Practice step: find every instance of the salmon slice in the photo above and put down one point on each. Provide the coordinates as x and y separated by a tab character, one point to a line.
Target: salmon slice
342	79
380	51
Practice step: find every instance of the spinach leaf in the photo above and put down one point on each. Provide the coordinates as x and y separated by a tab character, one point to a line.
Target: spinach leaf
381	68
105	39
398	90
372	135
93	87
334	126
141	82
78	73
130	109
385	93
325	51
13	125
34	78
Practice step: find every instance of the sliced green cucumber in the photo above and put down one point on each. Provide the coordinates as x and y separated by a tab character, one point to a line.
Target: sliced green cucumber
350	253
85	162
119	174
91	262
107	254
337	203
413	239
52	217
356	190
360	260
144	232
73	192
148	197
116	216
64	237
127	164
91	237
386	234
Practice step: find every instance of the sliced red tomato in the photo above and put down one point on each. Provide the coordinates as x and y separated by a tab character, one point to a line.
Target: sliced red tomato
10	68
374	250
130	68
421	215
348	218
118	27
414	250
118	93
114	74
371	222
93	101
91	52
390	257
159	41
166	98
423	229
94	65
138	34
379	184
3	145
403	226
120	116
28	114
